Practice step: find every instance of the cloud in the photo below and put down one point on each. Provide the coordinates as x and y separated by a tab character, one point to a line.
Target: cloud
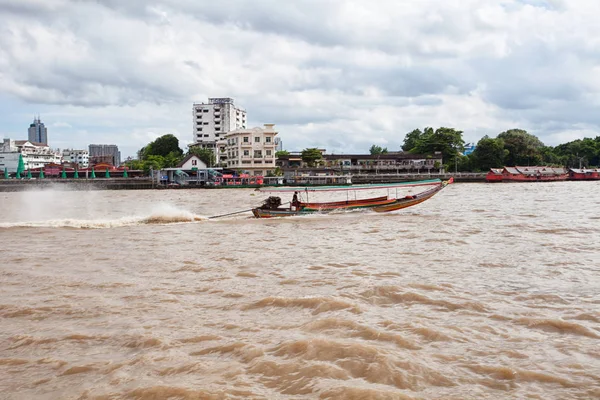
340	74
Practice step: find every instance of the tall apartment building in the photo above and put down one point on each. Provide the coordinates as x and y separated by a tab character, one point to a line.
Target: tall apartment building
212	120
101	153
79	157
37	132
252	150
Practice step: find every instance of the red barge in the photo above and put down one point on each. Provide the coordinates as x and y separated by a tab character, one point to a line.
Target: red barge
527	174
584	174
541	174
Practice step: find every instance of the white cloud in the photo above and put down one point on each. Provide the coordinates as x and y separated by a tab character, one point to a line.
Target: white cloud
340	74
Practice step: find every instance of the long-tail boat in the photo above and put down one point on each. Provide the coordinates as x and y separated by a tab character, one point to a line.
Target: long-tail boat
272	207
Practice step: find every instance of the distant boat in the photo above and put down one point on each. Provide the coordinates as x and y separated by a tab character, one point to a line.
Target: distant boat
272	207
526	174
583	174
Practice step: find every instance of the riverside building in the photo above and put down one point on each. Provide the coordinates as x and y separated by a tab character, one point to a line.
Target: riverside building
104	153
213	120
35	155
79	157
252	150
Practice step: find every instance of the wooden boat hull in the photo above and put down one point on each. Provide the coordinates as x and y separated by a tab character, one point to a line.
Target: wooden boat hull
335	204
410	201
378	205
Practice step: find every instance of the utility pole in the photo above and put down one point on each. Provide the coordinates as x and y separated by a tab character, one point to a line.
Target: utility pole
456	160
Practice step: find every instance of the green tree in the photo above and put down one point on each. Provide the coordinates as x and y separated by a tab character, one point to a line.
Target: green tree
162	146
281	153
550	157
153	162
523	148
311	156
582	151
172	159
489	153
376	150
448	141
206	155
411	139
134	164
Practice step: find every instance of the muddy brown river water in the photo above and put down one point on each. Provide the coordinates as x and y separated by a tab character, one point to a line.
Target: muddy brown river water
483	292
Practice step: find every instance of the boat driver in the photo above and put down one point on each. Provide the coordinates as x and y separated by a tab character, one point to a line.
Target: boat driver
295	201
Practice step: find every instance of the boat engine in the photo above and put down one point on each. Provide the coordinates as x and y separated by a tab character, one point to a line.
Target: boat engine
272	203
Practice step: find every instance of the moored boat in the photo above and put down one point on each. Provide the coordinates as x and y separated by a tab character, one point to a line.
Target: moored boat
584	174
272	207
526	174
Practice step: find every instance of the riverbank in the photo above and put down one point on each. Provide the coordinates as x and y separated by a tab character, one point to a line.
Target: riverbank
14	185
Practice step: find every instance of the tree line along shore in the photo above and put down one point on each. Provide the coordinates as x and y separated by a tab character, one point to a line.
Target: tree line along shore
509	148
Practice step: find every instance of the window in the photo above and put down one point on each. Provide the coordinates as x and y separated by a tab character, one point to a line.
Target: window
206	123
246	152
246	139
257	154
205	110
194	162
268	152
257	139
199	123
217	128
199	129
268	139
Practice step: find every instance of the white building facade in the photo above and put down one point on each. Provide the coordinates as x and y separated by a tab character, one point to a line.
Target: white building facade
213	120
79	157
252	150
35	155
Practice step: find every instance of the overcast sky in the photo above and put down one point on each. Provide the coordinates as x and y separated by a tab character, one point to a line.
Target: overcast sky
334	74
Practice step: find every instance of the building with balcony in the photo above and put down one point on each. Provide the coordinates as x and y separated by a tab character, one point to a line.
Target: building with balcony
390	163
35	155
79	157
252	150
212	121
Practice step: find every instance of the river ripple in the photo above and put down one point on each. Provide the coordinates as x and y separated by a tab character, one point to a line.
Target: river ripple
484	292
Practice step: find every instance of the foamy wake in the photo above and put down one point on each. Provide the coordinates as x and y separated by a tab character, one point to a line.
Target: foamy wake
163	214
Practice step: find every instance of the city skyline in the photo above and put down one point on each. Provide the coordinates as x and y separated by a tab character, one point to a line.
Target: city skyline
342	76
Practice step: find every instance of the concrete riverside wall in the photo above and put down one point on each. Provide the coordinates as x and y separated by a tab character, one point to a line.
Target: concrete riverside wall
16	185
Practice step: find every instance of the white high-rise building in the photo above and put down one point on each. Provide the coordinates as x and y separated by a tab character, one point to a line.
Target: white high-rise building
79	157
212	120
252	150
